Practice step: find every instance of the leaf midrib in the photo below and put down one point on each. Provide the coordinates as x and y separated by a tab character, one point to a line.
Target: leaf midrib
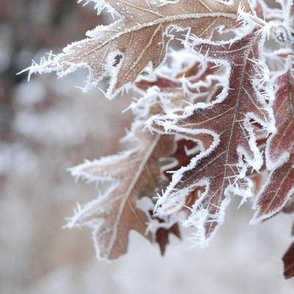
128	194
160	21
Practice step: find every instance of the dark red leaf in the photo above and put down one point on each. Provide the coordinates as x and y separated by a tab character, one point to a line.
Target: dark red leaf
288	260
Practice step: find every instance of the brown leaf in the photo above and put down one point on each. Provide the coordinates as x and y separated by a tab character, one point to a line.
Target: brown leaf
162	236
289	207
131	175
140	36
197	72
288	260
280	149
219	167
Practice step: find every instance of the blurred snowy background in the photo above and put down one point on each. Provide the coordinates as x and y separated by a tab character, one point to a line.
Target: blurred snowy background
47	126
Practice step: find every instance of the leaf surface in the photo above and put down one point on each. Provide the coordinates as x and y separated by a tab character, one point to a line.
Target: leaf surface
280	152
129	176
288	260
162	236
222	167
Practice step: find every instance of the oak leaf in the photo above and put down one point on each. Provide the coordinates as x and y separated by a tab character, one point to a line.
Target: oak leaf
162	236
129	176
222	167
288	260
139	37
191	78
279	186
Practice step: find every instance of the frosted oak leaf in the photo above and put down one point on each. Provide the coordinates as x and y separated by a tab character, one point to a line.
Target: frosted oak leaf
279	187
139	37
129	176
223	166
